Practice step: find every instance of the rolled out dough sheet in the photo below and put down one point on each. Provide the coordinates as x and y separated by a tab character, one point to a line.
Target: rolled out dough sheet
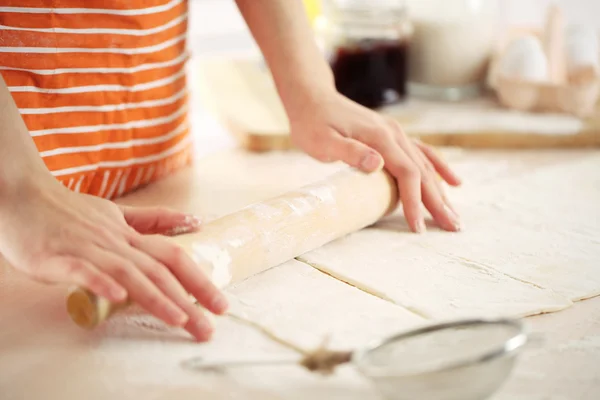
506	261
562	197
302	305
563	262
436	286
542	227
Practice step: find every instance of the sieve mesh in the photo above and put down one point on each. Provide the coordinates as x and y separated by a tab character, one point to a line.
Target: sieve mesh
437	349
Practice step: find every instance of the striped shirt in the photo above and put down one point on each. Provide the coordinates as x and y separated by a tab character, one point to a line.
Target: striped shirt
101	87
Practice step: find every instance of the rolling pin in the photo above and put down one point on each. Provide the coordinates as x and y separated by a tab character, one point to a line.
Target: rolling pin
266	234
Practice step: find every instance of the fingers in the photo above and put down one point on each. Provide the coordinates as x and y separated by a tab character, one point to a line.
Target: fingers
193	281
363	136
408	177
81	273
186	271
432	194
197	324
156	220
441	167
142	289
351	152
157	275
436	202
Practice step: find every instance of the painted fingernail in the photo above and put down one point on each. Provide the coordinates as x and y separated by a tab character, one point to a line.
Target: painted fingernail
220	304
370	162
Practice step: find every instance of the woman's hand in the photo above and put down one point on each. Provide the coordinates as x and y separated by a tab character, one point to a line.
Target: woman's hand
58	236
330	127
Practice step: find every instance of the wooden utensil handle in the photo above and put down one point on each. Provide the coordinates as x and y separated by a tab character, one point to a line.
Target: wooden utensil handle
269	233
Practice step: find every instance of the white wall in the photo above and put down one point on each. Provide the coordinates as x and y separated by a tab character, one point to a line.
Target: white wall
532	11
217	27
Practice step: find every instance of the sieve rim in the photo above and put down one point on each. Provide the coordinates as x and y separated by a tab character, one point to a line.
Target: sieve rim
517	341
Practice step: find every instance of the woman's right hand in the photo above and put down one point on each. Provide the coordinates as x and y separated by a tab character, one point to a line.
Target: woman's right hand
58	236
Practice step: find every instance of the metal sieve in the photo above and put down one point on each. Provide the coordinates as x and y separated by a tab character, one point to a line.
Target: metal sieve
461	360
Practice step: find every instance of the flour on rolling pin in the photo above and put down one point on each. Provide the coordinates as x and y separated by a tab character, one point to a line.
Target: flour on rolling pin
304	205
323	193
218	258
261	236
265	211
308	201
218	255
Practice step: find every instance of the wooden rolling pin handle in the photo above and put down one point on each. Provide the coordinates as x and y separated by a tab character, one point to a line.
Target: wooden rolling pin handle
88	310
269	233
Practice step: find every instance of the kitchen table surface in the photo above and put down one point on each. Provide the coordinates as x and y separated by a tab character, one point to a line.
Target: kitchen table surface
43	355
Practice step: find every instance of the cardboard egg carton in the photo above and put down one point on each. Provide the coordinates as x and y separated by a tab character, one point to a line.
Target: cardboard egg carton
563	76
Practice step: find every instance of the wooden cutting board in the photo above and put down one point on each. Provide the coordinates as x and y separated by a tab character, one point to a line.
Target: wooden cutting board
241	93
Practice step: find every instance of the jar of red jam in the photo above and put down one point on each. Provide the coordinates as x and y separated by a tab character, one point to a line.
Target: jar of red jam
367	45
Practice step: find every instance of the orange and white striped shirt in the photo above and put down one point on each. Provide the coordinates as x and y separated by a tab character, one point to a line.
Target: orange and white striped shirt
101	86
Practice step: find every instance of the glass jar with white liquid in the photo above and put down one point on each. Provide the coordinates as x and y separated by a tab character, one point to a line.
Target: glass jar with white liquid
451	47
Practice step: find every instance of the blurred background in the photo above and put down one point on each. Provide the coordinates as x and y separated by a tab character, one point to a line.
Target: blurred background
216	26
216	29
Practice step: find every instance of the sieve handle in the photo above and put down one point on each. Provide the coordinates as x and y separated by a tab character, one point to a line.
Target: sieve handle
535	340
199	364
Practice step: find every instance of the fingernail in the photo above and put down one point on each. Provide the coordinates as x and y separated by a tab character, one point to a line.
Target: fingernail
118	293
370	162
179	317
454	217
204	328
220	304
421	227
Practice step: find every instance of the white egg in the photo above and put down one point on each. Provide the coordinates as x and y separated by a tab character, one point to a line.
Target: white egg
525	59
582	47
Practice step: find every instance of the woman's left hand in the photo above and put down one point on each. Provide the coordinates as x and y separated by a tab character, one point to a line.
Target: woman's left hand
330	127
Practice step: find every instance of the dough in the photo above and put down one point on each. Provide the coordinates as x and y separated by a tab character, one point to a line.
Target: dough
530	245
545	256
543	228
302	305
387	265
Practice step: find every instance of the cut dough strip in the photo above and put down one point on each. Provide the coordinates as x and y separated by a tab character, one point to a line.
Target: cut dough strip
299	304
543	228
428	282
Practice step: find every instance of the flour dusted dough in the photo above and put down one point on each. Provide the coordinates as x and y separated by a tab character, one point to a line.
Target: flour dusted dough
387	265
550	257
531	244
543	228
302	305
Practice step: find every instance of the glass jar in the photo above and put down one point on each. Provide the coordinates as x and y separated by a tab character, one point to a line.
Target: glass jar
451	48
366	43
